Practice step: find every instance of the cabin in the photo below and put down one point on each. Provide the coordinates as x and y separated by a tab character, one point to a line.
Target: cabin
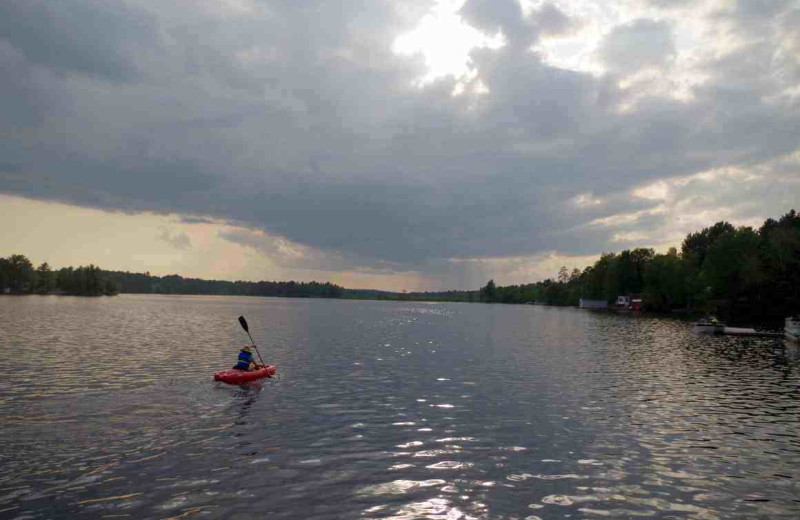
630	302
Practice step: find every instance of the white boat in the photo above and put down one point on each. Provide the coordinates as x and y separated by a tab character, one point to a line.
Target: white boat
792	329
709	326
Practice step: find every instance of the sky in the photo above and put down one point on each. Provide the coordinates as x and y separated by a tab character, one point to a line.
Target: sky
400	145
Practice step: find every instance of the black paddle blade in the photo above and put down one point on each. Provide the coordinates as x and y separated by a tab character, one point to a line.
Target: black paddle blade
243	323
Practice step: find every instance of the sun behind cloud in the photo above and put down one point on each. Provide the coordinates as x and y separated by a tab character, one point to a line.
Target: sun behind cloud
445	40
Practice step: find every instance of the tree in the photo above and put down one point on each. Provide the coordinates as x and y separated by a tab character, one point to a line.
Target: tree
733	265
611	278
593	278
110	287
780	255
44	279
639	258
5	274
489	292
21	276
695	245
664	287
64	279
94	284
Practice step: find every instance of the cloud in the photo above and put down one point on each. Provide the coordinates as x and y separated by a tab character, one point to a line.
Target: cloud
682	205
277	248
89	37
196	220
297	122
668	4
178	241
637	45
552	21
492	16
506	17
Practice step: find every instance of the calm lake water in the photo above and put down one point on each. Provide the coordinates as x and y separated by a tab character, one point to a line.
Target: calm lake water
388	410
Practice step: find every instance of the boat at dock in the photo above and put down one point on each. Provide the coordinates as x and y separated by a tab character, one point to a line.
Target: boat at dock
709	326
712	326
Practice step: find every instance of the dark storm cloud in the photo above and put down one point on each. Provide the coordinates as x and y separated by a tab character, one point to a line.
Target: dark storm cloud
296	119
92	37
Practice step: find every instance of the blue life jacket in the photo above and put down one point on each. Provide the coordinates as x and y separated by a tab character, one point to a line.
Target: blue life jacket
245	358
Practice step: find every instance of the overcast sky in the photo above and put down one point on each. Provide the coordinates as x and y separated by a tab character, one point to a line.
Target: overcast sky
406	144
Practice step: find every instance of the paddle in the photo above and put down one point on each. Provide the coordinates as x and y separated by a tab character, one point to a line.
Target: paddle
243	323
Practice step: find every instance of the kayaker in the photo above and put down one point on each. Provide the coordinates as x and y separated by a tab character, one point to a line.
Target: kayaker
245	360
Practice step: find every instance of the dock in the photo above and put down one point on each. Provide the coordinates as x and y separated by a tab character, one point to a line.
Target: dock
735	331
720	329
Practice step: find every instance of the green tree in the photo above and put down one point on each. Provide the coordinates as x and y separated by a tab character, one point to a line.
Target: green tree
64	280
733	264
695	245
640	258
21	276
611	278
664	287
5	274
44	279
488	293
94	281
110	287
780	255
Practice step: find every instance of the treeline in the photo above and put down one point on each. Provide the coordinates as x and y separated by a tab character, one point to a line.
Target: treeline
18	276
736	272
733	272
145	283
440	296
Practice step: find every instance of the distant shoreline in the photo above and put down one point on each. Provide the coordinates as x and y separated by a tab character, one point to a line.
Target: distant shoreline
738	274
58	294
774	324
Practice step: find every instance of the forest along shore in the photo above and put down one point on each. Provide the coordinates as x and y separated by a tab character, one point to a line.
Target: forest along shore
741	274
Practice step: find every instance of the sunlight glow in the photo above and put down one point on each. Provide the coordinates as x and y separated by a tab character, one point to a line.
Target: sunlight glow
656	191
444	40
587	200
631	236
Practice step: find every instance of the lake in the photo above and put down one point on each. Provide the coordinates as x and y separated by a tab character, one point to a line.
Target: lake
397	410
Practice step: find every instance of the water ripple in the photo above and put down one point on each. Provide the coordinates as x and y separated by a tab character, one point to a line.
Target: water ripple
388	410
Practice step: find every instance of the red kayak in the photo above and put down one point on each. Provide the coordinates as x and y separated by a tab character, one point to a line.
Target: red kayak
237	377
